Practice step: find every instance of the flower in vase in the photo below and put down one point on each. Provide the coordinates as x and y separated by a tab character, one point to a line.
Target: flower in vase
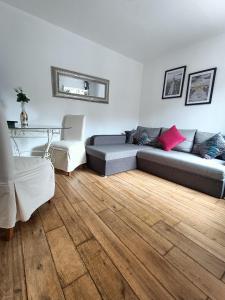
21	96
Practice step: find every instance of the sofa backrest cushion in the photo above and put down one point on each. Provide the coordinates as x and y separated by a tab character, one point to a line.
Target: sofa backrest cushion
108	139
152	134
130	134
185	146
200	137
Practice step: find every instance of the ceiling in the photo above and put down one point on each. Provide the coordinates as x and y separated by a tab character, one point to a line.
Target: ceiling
140	29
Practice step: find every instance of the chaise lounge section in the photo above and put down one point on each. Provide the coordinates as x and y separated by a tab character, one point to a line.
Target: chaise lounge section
110	154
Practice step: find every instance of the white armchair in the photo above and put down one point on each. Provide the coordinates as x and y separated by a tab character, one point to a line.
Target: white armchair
69	153
25	183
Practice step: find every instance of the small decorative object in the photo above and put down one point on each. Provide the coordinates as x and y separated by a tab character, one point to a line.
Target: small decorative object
23	99
173	83
12	124
200	87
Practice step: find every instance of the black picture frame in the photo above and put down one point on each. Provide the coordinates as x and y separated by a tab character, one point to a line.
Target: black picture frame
208	93
172	72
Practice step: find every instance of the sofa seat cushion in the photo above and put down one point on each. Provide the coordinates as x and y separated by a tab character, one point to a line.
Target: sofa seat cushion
188	162
110	152
66	145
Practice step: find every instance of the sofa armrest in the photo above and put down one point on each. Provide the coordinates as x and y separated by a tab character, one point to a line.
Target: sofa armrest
108	139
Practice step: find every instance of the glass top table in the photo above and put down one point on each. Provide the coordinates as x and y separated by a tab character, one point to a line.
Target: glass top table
27	132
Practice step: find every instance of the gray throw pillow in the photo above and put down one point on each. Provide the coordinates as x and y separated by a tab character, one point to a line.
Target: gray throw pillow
143	139
130	136
152	134
200	137
212	147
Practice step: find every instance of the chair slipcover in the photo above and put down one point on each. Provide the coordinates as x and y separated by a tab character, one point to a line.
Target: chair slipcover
7	191
69	153
25	182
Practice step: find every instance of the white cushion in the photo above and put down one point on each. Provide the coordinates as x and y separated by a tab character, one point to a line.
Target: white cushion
25	165
68	154
34	184
66	145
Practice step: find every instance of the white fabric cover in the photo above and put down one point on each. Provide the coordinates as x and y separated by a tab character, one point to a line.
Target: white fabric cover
7	193
34	184
25	182
69	153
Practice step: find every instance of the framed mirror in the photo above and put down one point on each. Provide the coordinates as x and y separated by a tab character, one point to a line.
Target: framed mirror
74	85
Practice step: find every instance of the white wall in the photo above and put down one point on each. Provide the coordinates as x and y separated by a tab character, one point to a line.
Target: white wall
157	112
29	46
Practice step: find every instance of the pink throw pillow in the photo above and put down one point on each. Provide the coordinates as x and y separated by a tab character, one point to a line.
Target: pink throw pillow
171	138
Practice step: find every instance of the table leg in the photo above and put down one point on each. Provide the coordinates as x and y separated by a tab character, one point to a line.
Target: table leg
17	147
50	136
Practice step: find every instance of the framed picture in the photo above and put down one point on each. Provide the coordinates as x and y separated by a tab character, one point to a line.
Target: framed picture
200	87
173	83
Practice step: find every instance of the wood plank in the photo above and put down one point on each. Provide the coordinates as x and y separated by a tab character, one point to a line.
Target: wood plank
87	196
58	192
167	275
215	235
73	223
124	185
12	277
172	187
194	219
130	203
67	190
99	193
39	267
19	285
87	174
148	204
159	243
140	280
67	260
82	289
141	223
199	254
200	239
196	274
107	278
46	210
199	203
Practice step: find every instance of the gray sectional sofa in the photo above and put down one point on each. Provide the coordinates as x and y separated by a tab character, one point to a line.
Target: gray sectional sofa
110	154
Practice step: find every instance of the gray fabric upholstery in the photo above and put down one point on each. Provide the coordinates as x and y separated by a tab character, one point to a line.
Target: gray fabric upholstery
187	145
191	163
130	136
152	133
194	181
200	137
188	169
108	139
109	167
212	147
110	152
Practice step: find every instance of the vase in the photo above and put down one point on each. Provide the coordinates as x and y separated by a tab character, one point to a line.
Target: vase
23	115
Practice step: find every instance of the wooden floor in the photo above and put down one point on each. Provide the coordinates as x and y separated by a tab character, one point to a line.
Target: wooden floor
128	236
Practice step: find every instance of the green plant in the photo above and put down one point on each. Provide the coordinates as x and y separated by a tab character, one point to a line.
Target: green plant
21	96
